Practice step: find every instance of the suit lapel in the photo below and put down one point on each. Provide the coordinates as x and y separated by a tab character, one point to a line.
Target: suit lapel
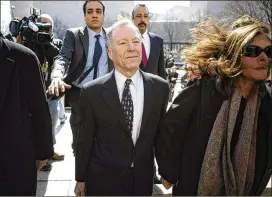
110	95
150	54
149	60
5	72
148	99
84	38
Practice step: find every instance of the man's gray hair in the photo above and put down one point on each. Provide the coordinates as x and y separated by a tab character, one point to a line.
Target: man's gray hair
47	16
123	22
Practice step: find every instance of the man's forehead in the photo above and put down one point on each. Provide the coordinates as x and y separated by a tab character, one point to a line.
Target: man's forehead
124	32
94	5
141	9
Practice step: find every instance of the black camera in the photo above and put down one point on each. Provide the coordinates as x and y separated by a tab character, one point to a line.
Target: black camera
30	31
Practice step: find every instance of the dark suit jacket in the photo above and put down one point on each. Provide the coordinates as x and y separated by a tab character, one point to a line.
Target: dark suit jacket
184	134
105	149
25	123
71	61
51	51
155	63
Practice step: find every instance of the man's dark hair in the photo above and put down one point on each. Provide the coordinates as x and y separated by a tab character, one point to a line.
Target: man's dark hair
87	1
138	5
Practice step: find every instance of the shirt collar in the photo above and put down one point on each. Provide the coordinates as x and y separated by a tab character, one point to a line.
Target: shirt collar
145	35
92	33
121	79
135	78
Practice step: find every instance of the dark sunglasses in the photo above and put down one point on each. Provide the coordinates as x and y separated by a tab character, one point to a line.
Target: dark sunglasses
255	51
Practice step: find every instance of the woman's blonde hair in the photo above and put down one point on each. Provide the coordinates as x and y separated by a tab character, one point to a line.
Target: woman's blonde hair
217	51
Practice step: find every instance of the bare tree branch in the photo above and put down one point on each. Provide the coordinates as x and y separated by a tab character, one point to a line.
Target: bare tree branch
108	21
59	28
199	16
170	27
123	15
266	7
260	10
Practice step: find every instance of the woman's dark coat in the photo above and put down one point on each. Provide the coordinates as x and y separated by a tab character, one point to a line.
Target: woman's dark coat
185	131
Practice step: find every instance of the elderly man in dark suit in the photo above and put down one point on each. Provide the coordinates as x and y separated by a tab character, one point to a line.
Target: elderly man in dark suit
119	116
25	124
152	48
152	44
83	57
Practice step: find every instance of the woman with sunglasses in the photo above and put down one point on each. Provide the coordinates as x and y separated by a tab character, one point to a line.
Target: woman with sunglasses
216	138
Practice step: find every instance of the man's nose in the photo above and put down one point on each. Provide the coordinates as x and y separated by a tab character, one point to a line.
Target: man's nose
94	14
131	46
142	18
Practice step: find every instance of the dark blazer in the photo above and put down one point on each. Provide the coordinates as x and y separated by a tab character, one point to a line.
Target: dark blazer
184	134
25	123
155	63
71	61
51	51
105	149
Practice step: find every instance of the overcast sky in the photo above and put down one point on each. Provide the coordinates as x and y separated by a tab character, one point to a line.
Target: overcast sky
160	7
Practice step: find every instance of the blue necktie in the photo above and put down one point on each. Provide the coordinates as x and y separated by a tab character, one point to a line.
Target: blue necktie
96	56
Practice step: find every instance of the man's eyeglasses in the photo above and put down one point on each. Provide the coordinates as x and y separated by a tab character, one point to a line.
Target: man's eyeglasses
255	51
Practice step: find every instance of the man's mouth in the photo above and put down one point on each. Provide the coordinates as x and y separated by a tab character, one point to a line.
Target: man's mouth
130	57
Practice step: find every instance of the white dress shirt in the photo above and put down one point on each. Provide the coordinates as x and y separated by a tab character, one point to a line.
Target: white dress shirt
136	88
147	44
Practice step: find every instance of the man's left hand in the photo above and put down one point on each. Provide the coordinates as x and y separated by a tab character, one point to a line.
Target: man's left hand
166	184
40	163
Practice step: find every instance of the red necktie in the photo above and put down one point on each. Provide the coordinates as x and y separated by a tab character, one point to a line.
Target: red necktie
144	58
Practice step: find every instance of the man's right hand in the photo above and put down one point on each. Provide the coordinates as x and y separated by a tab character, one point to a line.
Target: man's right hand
80	189
166	184
56	85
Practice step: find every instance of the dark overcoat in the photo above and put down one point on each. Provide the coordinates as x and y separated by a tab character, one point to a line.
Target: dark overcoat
25	123
185	131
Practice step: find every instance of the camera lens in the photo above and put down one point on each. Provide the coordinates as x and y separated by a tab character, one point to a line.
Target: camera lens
43	38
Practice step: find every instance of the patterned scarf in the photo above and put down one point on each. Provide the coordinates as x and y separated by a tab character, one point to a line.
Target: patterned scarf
221	174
